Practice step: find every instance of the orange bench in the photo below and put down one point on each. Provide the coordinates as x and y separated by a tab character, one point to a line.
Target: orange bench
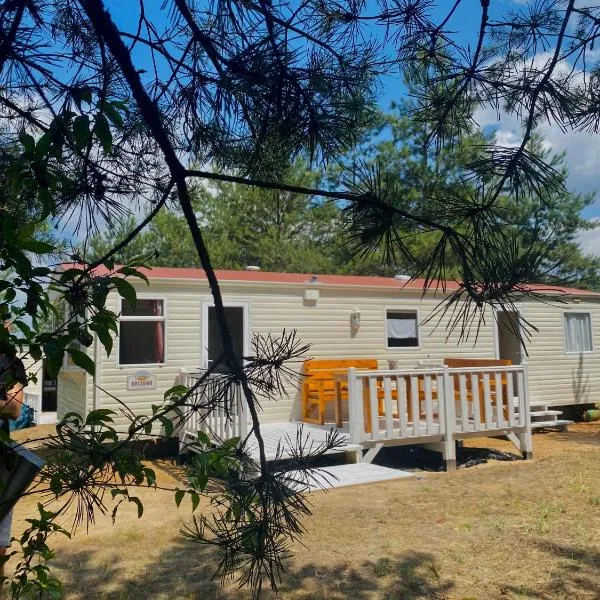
319	385
466	363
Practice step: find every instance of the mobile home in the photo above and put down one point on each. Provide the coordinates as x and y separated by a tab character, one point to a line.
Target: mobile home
172	330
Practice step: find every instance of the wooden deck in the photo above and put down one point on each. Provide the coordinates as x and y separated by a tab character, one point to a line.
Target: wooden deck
282	438
435	406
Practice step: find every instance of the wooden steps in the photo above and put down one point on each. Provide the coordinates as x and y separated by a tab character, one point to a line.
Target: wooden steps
543	417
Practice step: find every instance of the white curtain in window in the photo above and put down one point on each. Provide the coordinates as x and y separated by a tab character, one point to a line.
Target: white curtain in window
401	329
578	332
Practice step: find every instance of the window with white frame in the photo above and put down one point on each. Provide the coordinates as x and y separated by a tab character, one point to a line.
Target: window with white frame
578	332
402	328
142	332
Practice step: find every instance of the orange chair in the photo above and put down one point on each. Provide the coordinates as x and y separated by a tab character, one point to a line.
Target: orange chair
319	385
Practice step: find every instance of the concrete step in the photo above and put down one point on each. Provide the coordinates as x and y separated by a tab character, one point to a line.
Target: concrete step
546	413
558	423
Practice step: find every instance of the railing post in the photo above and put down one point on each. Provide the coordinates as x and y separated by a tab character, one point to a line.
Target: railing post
355	407
449	410
525	438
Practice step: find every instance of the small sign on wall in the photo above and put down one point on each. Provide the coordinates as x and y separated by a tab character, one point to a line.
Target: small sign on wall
142	380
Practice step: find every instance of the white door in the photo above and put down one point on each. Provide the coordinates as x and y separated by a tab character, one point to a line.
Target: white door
509	334
237	314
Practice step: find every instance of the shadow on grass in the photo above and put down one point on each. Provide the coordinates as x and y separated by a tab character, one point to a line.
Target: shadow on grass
575	577
417	458
184	571
581	435
413	576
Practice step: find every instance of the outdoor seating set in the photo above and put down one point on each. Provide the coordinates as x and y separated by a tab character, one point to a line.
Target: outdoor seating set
326	382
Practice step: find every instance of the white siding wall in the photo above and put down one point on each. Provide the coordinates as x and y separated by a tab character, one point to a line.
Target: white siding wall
324	325
556	377
72	392
182	330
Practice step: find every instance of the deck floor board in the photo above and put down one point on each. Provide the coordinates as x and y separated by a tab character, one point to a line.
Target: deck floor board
281	439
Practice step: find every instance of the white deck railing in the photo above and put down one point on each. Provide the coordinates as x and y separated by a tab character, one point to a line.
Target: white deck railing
438	404
219	424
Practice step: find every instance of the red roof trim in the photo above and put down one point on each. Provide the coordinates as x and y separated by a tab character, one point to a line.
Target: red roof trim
305	278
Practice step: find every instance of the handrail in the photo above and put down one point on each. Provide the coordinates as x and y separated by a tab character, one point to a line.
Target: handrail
440	370
218	424
441	404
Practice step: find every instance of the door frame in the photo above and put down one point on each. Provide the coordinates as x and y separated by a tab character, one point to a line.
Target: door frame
519	312
243	303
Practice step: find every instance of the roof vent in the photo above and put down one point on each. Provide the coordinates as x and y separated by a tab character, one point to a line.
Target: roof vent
402	277
252	268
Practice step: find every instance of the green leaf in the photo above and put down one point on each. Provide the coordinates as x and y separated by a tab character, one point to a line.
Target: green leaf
103	133
168	425
71	419
35	351
179	494
126	290
109	263
82	94
43	145
105	339
82	360
195	500
150	476
27	142
113	114
176	390
100	416
133	272
139	505
203	438
81	131
23	327
36	246
231	443
54	358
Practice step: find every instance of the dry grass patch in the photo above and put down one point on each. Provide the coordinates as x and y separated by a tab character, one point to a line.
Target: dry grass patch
501	530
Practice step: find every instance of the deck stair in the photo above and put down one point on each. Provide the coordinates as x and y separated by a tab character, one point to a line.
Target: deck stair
544	417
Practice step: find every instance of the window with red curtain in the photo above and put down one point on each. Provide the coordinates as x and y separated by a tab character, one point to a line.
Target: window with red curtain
142	332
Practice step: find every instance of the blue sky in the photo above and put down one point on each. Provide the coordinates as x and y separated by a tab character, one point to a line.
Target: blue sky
583	150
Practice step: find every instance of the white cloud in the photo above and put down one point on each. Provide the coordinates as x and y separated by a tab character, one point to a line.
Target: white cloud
583	149
589	240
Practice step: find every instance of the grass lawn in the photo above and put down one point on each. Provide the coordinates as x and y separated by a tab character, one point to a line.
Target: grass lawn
500	530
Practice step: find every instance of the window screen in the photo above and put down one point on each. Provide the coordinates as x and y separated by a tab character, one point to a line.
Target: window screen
578	332
402	329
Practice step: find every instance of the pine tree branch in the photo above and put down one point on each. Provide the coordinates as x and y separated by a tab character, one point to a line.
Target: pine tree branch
106	29
9	39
